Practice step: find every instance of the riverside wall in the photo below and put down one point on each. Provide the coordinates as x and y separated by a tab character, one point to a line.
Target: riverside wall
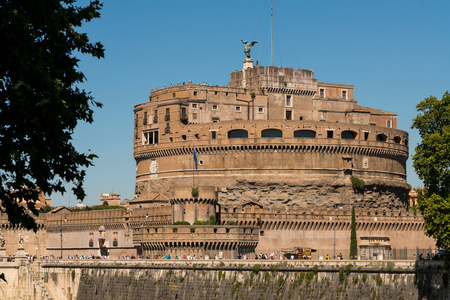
243	279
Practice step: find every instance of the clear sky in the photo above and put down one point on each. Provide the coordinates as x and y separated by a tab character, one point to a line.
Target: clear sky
394	52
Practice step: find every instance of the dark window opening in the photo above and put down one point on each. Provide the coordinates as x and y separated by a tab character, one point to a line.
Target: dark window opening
304	134
349	135
195	93
288	115
381	138
366	136
322	93
397	139
329	134
238	134
145	118
271	133
167	114
155	117
213	134
183	137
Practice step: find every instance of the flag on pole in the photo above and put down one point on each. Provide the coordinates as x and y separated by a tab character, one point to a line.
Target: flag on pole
195	158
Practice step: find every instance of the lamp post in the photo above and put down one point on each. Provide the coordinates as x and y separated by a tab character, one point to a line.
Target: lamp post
142	235
335	217
61	234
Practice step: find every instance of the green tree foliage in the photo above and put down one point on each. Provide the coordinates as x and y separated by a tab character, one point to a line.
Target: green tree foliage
358	184
353	240
41	102
431	162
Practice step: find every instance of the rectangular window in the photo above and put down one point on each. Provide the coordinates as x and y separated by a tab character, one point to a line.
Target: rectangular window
388	124
288	100
213	135
145	118
194	105
194	116
195	93
366	136
288	115
215	107
344	94
167	114
322	93
238	108
173	95
155	117
329	134
215	120
261	110
150	137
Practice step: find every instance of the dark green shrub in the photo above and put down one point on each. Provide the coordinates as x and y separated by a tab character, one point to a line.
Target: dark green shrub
181	223
364	277
358	184
194	192
353	240
230	222
256	268
379	280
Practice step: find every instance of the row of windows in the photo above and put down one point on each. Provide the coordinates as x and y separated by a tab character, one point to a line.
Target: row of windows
276	133
152	137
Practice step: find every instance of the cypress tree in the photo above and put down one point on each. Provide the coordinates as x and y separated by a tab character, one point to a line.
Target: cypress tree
353	241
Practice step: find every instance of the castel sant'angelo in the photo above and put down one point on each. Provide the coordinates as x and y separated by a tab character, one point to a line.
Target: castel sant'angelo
276	157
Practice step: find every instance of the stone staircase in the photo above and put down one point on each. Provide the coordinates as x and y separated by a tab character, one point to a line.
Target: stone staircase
41	292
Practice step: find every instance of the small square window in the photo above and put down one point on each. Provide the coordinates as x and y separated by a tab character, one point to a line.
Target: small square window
215	107
194	105
329	134
215	120
260	110
226	94
215	93
238	108
322	93
195	93
261	233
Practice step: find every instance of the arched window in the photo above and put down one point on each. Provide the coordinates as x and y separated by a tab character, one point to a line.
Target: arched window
349	135
304	134
271	133
397	139
381	137
238	134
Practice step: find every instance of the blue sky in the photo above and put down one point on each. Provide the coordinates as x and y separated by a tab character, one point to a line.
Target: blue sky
395	53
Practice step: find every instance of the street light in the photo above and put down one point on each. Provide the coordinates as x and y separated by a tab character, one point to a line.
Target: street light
61	233
142	236
335	217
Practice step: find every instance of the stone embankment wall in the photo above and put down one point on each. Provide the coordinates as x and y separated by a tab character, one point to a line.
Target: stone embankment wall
231	279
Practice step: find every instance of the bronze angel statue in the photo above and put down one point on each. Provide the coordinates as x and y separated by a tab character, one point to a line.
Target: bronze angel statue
247	47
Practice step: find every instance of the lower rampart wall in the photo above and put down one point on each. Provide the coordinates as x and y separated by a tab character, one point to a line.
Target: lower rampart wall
238	279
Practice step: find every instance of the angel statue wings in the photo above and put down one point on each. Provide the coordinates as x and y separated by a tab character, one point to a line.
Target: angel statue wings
247	47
